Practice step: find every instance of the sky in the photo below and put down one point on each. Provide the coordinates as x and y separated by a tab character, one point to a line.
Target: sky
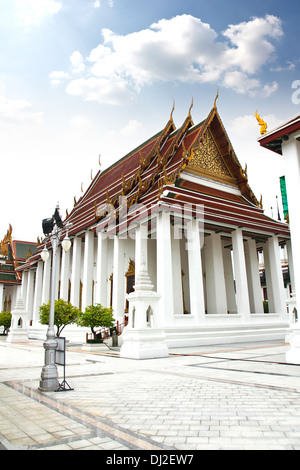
83	81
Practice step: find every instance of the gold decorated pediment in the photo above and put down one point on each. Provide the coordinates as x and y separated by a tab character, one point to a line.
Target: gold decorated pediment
207	161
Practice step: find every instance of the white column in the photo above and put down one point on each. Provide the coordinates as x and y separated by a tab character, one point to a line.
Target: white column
24	286
88	263
215	279
242	293
291	155
254	286
65	274
118	279
46	281
30	295
177	276
164	270
269	285
76	272
101	287
229	281
276	276
38	291
141	239
291	262
1	296
194	245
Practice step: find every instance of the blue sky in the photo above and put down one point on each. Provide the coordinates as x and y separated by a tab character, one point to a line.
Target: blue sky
79	78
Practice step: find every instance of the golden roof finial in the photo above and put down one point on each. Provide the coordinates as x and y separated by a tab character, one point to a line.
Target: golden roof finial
217	96
171	115
192	104
263	125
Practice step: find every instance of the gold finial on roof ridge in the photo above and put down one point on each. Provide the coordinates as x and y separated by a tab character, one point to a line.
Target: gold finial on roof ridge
192	104
171	115
217	96
263	125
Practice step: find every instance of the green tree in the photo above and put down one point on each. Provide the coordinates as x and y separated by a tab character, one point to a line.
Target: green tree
96	316
64	314
5	320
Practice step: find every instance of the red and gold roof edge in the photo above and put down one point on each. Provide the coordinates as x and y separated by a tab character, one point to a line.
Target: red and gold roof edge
157	163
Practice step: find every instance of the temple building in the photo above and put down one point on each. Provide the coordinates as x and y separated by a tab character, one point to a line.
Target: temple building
285	141
174	224
13	254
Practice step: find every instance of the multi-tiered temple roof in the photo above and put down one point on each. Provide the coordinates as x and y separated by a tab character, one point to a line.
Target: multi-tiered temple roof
13	255
147	173
174	166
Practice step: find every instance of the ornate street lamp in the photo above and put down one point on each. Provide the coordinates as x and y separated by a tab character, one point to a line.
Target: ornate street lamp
52	229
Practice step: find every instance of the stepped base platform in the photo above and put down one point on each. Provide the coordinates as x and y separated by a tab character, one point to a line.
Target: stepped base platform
210	335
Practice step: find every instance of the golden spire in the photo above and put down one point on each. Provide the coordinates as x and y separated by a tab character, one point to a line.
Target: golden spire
217	96
192	104
263	125
171	115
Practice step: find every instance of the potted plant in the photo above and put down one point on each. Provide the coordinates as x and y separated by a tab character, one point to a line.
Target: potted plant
5	321
96	316
64	314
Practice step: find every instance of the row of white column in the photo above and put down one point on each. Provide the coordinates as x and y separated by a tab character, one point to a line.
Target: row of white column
73	266
241	266
248	296
77	266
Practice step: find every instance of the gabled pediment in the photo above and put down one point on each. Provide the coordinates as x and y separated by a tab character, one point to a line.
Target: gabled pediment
214	157
207	161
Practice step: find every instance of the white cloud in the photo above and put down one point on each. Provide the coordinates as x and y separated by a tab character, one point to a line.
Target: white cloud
18	111
57	77
251	48
282	68
97	3
77	62
102	90
240	82
33	12
80	123
182	49
132	128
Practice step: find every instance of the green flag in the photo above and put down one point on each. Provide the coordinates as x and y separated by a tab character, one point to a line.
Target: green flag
284	196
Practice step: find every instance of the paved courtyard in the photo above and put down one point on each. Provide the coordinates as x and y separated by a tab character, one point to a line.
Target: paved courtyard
242	396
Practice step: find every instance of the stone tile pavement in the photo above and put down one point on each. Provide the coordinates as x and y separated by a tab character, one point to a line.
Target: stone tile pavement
239	397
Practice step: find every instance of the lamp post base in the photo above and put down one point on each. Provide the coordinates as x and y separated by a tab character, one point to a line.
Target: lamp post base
49	376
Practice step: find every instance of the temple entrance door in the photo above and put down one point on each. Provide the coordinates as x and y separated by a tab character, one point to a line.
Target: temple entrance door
130	281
